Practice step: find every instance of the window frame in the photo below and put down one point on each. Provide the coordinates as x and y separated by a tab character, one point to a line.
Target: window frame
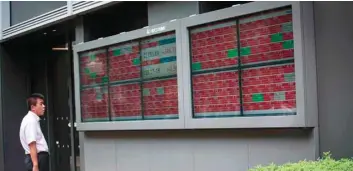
304	60
106	43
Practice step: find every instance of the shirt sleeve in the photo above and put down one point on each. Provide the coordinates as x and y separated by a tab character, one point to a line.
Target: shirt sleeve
30	132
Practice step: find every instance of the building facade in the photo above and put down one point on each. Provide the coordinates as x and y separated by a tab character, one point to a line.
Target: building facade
196	86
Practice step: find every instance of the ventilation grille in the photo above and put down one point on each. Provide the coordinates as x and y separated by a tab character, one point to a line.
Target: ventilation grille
35	22
53	16
82	6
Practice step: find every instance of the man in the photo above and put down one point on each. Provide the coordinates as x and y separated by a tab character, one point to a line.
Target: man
31	136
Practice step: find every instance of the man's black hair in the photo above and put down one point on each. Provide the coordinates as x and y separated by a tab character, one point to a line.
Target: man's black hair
32	99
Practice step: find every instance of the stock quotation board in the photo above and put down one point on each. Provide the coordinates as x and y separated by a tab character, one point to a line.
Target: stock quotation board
244	66
94	89
241	66
131	81
159	72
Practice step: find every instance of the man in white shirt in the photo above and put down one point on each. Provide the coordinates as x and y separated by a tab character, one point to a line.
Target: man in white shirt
31	136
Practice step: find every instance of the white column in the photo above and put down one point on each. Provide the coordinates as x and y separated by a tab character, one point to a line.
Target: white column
4	16
69	7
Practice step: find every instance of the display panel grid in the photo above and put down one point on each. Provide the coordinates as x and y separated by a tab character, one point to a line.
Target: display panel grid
93	68
125	101
261	49
94	104
139	79
124	62
94	88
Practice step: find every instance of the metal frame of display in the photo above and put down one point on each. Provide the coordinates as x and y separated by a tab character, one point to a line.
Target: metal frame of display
172	26
304	60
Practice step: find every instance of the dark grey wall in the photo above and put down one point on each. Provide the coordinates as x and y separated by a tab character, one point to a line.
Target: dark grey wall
24	10
160	12
23	71
127	16
13	93
196	150
58	80
334	49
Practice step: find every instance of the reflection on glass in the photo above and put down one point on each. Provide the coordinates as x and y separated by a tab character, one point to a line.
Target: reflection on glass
124	62
94	104
159	69
155	96
269	90
93	67
215	80
266	37
94	96
214	46
159	56
267	56
216	94
267	76
160	98
125	102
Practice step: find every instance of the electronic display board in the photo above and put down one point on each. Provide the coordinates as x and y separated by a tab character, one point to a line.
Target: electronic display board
214	46
234	65
93	67
159	69
269	90
160	99
267	56
150	93
124	62
257	79
94	95
266	37
125	101
159	56
94	104
216	94
213	51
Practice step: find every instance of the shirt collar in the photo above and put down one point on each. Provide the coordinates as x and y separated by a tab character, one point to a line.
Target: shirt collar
35	115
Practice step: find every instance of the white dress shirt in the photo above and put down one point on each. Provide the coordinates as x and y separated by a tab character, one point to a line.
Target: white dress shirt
30	131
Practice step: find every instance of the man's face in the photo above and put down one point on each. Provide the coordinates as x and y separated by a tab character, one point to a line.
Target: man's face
39	108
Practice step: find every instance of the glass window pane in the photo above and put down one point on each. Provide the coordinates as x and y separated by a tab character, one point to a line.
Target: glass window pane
216	94
160	89
93	67
160	99
124	74
269	90
159	56
124	62
94	95
125	102
214	46
267	59
94	104
215	77
266	37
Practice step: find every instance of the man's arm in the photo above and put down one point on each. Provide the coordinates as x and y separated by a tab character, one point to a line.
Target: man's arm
31	134
33	153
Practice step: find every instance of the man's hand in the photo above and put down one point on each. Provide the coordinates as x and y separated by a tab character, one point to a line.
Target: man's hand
35	168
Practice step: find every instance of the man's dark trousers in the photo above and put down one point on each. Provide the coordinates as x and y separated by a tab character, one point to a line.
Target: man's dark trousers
43	162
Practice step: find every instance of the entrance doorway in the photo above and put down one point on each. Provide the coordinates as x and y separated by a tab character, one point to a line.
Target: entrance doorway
41	62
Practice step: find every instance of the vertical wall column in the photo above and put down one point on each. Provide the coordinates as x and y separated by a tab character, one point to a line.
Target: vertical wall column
4	16
2	167
14	90
4	23
69	7
80	38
